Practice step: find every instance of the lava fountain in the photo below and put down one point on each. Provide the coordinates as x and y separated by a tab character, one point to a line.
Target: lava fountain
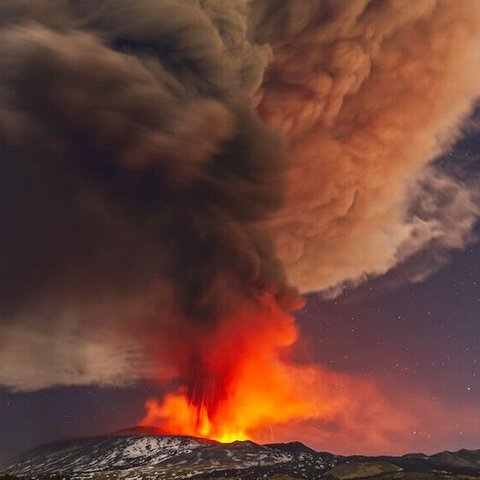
237	379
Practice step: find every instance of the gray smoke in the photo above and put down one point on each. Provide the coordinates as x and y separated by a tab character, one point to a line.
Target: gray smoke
134	166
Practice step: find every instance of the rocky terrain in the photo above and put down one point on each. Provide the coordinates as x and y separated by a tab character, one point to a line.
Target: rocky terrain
143	455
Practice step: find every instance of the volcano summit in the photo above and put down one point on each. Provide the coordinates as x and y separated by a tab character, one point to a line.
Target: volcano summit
156	457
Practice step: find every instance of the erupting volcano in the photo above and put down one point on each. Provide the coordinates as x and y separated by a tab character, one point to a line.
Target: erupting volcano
237	379
176	174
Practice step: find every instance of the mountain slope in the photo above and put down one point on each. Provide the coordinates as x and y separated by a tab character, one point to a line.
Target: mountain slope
141	455
103	454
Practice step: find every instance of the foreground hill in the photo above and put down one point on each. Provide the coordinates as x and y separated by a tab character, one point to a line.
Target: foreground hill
142	455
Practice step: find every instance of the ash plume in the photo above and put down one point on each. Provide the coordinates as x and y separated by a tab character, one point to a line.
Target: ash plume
368	95
167	161
134	161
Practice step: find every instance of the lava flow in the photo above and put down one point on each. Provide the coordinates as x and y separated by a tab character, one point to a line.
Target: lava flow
236	380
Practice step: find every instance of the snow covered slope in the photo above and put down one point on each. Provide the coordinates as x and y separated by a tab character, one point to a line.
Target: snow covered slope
104	453
141	454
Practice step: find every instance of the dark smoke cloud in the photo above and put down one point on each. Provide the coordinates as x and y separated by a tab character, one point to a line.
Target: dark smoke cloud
141	190
134	153
133	163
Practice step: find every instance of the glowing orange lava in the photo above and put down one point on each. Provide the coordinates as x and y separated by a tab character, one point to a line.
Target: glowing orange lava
238	379
238	383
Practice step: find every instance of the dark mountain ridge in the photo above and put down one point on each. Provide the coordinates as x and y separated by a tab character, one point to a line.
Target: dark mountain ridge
142	454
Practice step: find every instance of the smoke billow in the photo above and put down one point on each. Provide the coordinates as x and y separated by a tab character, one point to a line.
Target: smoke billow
134	163
157	154
367	95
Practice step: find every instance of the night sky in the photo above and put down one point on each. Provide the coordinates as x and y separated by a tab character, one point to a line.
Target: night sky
155	226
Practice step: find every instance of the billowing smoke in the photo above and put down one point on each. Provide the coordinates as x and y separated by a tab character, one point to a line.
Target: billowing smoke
134	163
170	164
368	94
125	168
